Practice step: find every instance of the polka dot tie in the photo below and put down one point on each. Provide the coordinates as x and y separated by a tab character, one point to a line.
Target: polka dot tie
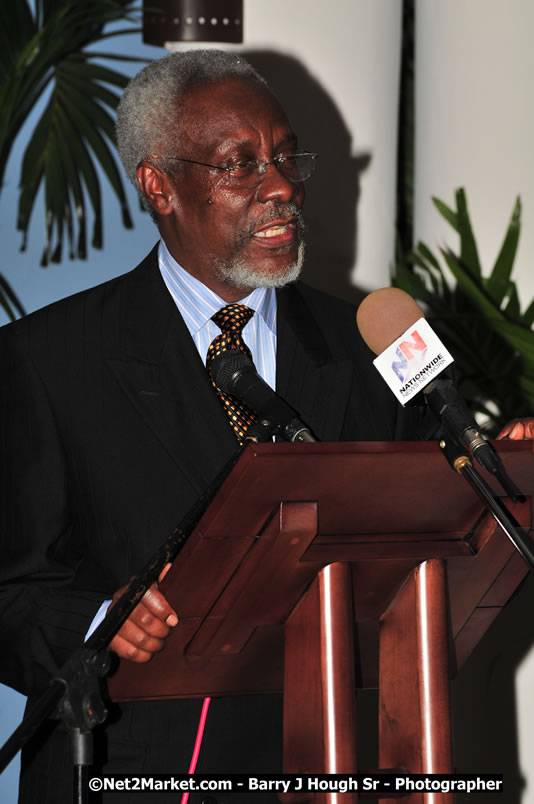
231	319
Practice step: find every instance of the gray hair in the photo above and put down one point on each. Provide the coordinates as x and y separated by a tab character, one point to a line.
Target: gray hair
147	114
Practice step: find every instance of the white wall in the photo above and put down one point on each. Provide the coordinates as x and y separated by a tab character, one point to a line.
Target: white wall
475	120
353	48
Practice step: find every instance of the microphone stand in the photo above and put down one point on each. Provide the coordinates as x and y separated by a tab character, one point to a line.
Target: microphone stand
442	396
461	463
74	694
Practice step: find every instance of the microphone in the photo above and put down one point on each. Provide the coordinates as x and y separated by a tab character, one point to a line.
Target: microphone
412	359
234	373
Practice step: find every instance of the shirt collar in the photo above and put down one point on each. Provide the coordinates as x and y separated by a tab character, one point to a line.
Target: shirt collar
197	303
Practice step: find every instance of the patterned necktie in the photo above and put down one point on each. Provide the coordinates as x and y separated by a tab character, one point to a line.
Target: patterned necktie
231	319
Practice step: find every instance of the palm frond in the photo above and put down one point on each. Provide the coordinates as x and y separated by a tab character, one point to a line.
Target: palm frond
8	300
74	137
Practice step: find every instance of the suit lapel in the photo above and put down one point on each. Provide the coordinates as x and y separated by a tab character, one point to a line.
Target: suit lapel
161	373
314	381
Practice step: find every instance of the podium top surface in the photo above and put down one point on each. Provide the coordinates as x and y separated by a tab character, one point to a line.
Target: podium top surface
363	488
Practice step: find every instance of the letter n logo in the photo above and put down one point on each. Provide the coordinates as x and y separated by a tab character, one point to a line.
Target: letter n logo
404	353
415	345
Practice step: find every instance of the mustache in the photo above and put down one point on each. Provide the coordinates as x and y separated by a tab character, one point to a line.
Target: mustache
289	210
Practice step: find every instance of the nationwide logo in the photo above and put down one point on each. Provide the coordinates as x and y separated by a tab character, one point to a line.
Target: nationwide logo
413	360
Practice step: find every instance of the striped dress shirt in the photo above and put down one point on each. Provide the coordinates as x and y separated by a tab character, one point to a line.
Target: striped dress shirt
197	303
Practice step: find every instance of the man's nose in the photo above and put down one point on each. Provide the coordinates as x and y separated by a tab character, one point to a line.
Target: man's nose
274	185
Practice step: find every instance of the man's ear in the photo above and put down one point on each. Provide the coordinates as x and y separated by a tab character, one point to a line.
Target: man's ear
156	187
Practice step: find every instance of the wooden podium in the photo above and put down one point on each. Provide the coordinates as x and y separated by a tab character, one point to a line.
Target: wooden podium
320	568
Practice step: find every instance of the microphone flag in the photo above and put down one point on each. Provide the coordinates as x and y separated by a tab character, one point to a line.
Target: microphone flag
413	360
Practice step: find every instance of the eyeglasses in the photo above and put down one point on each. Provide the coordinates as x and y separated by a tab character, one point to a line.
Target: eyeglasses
249	172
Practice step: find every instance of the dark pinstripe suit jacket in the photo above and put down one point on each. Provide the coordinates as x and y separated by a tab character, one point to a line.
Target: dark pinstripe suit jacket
109	431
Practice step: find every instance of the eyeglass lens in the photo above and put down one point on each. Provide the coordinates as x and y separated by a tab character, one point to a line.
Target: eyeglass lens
295	168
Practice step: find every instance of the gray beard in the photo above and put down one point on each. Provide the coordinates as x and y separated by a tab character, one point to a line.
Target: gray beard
242	275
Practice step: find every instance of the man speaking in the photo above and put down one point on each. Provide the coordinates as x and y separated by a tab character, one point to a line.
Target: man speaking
111	427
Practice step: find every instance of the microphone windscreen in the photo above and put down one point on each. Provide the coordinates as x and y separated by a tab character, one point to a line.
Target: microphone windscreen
384	315
225	365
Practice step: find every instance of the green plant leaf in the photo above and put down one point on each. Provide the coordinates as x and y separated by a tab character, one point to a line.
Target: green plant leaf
528	315
468	246
449	214
518	336
528	384
426	254
81	111
497	285
512	309
411	283
469	285
9	301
